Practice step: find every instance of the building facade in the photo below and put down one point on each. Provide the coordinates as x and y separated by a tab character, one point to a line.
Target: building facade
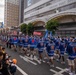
11	13
21	11
41	11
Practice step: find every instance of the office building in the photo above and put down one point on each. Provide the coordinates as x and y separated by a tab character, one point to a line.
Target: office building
11	13
40	11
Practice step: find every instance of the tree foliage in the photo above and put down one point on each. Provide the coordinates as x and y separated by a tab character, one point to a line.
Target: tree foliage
52	25
30	28
23	28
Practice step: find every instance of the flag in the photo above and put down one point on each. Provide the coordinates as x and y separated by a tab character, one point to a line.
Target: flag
46	34
50	33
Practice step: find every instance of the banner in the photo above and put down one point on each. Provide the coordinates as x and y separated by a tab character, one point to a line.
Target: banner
37	33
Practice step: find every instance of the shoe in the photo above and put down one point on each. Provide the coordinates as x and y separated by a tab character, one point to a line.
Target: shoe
39	62
43	61
31	58
68	70
48	62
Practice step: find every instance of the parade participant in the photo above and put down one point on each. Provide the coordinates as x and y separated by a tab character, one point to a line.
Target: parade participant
32	42
33	45
46	42
4	40
71	57
20	44
50	51
74	48
15	41
57	44
40	47
62	51
26	43
11	42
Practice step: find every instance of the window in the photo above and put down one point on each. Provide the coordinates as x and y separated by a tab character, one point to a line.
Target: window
67	7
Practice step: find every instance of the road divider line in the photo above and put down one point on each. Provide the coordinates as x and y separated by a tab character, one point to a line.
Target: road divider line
20	70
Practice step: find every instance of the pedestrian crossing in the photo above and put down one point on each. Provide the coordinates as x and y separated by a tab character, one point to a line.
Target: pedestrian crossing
32	61
27	60
35	59
58	72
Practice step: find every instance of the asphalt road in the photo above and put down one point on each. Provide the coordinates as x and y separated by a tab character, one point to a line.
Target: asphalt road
26	66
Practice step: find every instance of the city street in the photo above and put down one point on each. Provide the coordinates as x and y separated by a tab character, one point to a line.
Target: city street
26	66
38	37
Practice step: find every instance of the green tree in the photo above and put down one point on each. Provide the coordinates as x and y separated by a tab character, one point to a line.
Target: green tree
52	25
30	28
23	28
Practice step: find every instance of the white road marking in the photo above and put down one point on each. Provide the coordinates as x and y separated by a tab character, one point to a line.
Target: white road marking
58	73
28	57
59	68
27	60
23	58
20	70
64	70
35	58
53	71
31	61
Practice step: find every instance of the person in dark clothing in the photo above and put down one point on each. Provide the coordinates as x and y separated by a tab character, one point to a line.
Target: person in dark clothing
5	67
7	42
1	65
